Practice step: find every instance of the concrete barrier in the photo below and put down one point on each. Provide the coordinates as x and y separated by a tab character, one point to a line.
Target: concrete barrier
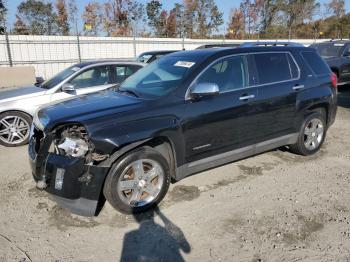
17	76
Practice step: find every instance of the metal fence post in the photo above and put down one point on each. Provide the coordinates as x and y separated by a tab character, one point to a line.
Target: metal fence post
8	49
78	46
134	44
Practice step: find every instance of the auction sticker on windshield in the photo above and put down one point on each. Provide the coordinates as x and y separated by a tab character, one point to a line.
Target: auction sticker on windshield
184	64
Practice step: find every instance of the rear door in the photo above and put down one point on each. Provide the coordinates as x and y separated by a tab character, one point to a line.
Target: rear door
224	122
278	80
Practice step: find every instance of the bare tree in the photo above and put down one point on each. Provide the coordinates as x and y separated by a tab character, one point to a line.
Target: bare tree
73	15
337	8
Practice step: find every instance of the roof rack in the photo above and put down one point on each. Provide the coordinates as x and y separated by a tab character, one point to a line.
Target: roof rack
256	44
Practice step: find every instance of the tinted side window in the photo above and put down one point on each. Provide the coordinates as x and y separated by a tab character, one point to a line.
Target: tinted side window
229	74
274	67
316	63
123	71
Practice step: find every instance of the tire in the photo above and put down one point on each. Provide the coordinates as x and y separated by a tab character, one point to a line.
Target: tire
130	189
312	134
14	128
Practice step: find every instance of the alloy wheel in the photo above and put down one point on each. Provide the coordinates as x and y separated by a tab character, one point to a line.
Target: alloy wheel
141	182
313	134
13	130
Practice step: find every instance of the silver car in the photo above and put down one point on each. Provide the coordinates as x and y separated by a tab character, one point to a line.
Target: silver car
17	106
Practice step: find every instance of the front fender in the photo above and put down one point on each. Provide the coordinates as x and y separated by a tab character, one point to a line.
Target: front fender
118	139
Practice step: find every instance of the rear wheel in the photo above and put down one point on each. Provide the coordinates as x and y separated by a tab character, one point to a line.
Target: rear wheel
312	134
14	128
138	181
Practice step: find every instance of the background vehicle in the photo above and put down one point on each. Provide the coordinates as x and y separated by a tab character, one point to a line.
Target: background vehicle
149	57
337	56
217	46
184	113
269	43
18	105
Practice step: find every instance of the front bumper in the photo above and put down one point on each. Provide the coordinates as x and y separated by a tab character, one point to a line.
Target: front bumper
74	185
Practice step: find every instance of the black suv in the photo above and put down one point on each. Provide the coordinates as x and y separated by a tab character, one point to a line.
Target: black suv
337	55
186	112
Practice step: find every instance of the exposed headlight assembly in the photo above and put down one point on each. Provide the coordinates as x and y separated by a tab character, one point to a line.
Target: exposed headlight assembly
75	147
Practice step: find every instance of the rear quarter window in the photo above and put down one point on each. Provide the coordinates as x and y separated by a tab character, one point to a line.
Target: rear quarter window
316	63
275	67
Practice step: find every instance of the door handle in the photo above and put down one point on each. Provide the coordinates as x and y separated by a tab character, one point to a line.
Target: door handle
246	97
298	87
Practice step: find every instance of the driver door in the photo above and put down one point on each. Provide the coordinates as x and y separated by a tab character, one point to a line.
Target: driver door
91	80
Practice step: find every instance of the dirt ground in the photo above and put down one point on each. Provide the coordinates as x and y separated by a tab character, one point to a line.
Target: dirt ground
273	207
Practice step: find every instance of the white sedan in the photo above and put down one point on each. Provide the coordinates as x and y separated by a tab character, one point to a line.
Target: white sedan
17	106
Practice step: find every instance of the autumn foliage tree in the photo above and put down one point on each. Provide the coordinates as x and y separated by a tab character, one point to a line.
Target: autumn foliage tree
92	19
38	17
236	24
62	17
120	17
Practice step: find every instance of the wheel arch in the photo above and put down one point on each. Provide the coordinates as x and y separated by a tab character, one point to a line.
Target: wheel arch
320	106
17	110
162	144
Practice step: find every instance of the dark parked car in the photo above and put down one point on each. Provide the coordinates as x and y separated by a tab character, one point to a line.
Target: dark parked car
149	57
184	113
217	46
337	56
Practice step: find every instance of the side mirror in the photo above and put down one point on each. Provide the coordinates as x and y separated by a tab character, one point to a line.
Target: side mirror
203	90
39	80
68	88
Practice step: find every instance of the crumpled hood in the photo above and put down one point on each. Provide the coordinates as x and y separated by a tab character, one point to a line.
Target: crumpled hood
20	93
85	107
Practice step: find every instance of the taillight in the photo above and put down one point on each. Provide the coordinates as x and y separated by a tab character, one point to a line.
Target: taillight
334	80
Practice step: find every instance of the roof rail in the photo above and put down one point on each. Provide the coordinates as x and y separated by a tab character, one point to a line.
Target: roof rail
256	44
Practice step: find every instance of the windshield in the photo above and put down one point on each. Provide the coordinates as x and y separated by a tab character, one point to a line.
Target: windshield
328	50
160	77
59	77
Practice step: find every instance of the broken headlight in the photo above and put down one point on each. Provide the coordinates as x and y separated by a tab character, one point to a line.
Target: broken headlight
73	141
74	147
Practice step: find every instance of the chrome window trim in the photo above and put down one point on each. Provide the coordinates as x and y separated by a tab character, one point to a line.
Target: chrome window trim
187	94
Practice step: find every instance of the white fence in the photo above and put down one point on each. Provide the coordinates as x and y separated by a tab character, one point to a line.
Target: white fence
50	54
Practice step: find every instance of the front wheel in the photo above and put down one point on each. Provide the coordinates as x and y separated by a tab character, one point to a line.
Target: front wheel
312	135
14	128
138	181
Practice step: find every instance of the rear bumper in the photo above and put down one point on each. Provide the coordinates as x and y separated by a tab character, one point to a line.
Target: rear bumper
74	185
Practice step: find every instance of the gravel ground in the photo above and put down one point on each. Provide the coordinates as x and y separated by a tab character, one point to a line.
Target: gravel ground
272	207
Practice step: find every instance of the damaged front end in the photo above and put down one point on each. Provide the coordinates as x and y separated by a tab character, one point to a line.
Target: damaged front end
66	164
